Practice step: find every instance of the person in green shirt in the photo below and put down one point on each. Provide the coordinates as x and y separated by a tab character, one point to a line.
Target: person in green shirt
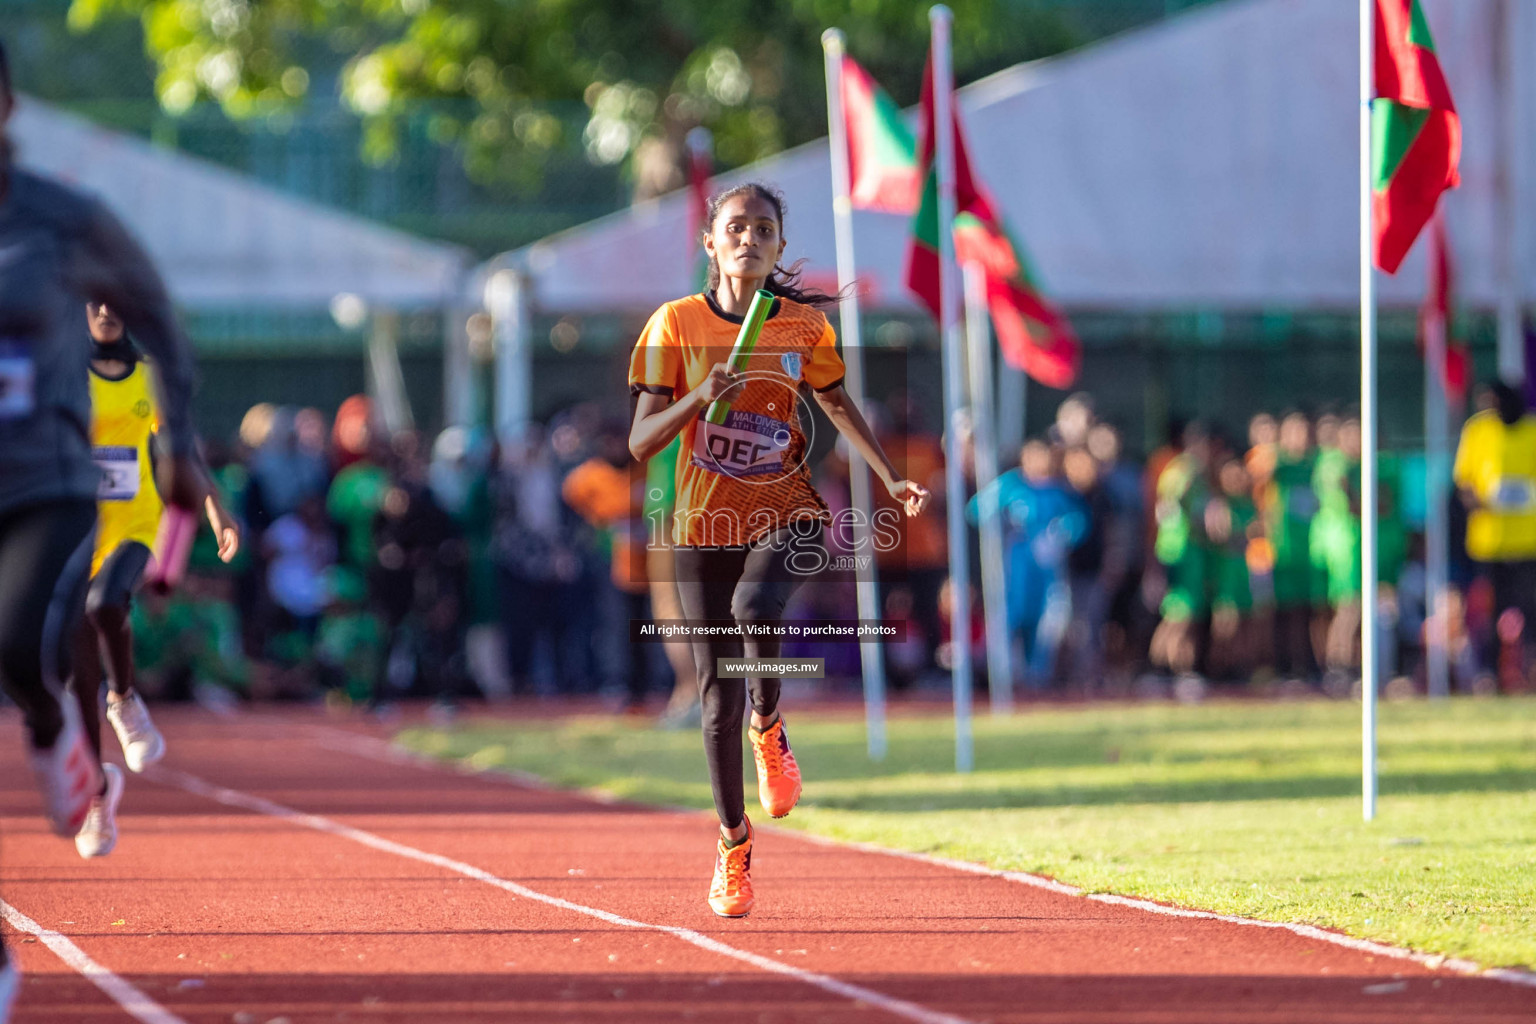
1181	547
349	645
682	709
1289	504
485	650
189	641
355	498
1337	543
1231	521
1327	430
1335	547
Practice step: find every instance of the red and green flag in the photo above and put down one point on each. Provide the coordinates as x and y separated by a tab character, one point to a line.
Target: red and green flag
1437	306
1415	132
1031	333
882	155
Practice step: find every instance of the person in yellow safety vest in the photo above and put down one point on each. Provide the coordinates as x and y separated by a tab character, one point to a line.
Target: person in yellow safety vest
1495	475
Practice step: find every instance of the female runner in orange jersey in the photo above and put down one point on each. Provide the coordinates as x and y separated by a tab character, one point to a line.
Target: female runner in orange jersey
747	524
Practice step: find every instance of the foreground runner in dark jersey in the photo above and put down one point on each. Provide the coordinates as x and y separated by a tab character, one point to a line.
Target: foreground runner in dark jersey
58	250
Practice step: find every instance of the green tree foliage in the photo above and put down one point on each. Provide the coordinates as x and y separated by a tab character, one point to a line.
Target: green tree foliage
501	75
54	64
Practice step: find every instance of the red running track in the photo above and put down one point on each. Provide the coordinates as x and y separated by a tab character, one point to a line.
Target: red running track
282	869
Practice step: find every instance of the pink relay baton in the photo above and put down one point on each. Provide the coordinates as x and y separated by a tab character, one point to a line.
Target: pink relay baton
173	545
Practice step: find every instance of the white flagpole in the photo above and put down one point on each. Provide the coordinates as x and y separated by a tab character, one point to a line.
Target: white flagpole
872	658
1510	137
1011	398
1368	636
1436	528
993	593
939	19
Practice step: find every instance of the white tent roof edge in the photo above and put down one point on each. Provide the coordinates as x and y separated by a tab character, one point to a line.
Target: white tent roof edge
224	240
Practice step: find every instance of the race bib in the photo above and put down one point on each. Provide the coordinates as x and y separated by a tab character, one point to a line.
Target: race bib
18	381
1303	503
747	444
119	465
1514	494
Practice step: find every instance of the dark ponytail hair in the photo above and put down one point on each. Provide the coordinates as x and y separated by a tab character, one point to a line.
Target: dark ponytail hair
783	281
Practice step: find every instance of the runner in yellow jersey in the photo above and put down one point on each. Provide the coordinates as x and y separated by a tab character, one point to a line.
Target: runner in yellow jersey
124	419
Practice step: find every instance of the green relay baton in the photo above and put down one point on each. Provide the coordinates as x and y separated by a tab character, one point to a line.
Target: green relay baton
741	352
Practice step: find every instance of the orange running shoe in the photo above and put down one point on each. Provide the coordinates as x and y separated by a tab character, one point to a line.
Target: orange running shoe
730	893
778	776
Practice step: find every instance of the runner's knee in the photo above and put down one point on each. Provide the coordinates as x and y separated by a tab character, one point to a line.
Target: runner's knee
721	705
757	603
106	616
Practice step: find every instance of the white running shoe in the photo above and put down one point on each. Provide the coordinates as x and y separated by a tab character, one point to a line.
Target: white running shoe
98	835
10	984
142	743
66	774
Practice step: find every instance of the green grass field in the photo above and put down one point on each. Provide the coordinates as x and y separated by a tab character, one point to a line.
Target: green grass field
1250	809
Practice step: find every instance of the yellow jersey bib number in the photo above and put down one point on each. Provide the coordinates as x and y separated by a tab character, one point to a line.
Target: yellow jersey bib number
119	466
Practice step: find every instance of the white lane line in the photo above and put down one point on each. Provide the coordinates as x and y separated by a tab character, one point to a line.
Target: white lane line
969	867
137	1005
245	801
373	748
367	746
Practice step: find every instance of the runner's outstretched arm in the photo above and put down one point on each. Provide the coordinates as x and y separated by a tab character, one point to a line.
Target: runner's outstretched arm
226	530
845	416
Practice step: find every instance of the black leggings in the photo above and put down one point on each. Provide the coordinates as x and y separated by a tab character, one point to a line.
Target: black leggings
105	635
45	560
747	584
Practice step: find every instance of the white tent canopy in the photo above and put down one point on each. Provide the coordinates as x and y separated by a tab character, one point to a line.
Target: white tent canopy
1208	161
223	240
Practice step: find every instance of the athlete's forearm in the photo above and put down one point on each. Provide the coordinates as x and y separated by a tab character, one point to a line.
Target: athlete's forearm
654	428
845	416
218	515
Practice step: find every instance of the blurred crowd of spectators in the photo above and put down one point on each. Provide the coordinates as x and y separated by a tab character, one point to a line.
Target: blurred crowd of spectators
381	566
1220	560
387	565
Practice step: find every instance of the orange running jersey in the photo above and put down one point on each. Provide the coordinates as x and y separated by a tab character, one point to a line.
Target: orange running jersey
741	479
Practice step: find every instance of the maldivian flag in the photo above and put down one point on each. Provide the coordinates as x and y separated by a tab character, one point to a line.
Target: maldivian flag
882	155
1437	305
1415	136
1032	335
923	271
